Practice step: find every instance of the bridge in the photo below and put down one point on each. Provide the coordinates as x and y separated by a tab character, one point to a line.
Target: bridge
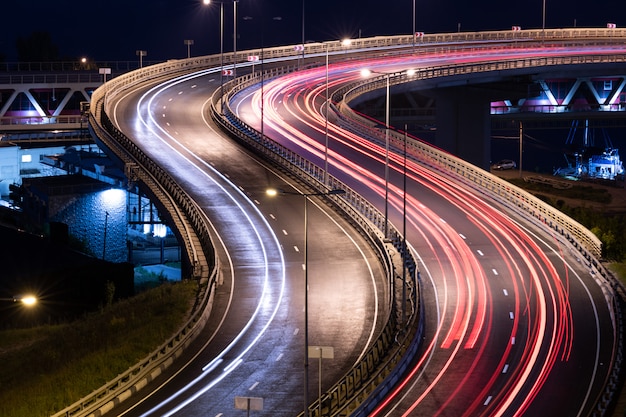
192	227
36	97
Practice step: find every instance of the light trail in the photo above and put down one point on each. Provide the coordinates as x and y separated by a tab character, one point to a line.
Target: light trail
539	333
157	132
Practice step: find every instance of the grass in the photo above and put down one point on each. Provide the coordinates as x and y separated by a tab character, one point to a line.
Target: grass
58	364
576	192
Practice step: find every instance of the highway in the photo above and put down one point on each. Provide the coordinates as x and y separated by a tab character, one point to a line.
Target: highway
253	345
516	323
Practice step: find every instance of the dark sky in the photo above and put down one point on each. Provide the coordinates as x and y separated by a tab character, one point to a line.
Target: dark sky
113	30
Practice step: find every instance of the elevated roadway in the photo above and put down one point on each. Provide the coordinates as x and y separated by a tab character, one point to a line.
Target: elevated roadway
509	301
255	330
507	305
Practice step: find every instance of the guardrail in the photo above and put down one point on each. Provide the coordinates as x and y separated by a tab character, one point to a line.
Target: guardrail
440	160
524	203
116	390
192	228
399	340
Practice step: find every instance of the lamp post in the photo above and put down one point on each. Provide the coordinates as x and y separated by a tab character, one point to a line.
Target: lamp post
235	37
303	37
543	18
27	300
207	2
273	192
140	53
326	124
188	42
414	34
104	238
366	73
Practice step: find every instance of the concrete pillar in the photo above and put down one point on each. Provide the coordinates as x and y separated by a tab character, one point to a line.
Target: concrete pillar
463	123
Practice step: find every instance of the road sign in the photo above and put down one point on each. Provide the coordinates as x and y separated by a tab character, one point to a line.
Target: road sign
298	48
323	352
253	58
249	403
228	72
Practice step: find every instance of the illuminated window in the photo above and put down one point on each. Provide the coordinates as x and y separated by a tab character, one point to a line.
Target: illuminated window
27	158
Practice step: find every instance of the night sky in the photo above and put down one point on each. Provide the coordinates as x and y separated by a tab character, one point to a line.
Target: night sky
113	30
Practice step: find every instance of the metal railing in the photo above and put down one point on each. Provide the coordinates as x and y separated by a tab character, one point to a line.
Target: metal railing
399	340
503	192
580	236
191	226
122	386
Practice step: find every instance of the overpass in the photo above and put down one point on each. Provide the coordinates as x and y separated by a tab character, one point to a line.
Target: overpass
45	97
581	239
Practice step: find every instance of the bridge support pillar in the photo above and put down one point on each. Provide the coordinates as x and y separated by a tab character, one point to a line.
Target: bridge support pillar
463	123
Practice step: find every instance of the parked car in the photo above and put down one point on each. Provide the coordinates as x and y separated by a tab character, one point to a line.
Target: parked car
505	164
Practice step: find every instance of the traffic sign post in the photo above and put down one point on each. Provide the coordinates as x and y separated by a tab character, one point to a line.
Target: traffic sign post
249	404
321	352
253	59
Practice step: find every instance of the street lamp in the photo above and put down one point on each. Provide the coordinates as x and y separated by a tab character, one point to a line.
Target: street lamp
274	192
366	73
326	124
28	300
414	34
207	2
188	42
303	37
543	17
235	38
141	54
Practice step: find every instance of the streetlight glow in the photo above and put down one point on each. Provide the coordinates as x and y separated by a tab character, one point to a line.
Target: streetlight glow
29	300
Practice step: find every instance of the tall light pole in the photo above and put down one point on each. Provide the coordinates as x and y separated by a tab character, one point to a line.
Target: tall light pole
273	192
207	2
303	37
366	73
414	33
327	102
235	37
543	18
141	54
188	42
27	300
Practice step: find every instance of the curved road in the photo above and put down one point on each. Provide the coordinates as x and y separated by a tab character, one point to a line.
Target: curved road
253	345
516	323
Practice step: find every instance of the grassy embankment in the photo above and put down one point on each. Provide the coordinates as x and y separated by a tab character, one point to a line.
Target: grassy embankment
44	369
